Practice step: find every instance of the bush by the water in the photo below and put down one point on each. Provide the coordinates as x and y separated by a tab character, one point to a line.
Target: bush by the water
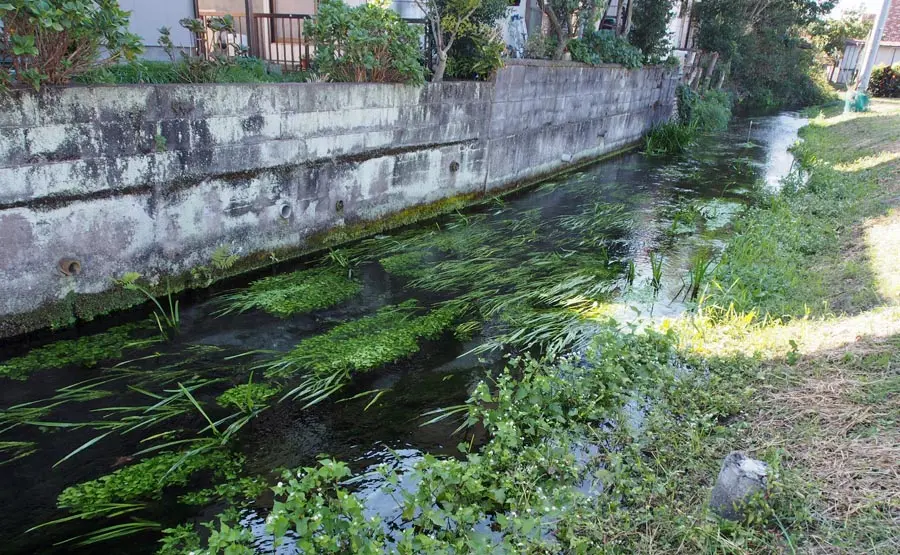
604	47
709	111
366	43
885	82
669	138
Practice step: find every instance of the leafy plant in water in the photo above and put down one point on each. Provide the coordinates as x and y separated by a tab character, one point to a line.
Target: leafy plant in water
668	138
248	397
294	293
656	269
85	351
328	360
698	274
168	321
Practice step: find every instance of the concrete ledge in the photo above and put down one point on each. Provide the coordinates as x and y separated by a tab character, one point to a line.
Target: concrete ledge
154	179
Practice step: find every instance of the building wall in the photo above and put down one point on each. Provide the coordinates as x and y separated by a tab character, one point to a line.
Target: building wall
153	179
147	17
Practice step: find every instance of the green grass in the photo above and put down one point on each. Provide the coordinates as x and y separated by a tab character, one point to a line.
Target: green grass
240	70
669	138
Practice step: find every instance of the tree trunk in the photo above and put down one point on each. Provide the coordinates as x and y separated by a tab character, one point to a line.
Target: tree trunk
562	40
440	67
627	28
710	70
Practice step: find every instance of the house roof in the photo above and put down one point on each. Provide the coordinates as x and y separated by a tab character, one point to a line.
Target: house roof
892	26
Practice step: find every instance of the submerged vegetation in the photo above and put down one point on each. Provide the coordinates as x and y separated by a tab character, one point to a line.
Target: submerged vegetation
294	293
85	351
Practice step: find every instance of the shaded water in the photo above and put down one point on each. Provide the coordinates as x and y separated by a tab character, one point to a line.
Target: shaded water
604	223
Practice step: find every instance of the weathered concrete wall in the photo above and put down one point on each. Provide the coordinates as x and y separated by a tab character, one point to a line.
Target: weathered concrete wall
153	179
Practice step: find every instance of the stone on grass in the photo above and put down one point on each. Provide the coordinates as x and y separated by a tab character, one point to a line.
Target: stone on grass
740	478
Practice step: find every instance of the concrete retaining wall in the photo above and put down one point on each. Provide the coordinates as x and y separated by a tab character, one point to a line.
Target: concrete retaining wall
154	179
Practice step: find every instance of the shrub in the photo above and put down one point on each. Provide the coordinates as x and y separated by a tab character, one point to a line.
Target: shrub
480	60
885	81
603	47
52	41
540	47
710	111
367	43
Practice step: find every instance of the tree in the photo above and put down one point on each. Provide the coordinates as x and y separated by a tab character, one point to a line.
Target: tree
650	31
447	20
568	18
831	35
760	45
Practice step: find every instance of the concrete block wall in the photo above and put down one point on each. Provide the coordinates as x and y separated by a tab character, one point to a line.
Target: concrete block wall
153	179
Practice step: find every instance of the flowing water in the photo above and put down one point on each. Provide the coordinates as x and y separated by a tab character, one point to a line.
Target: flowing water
553	260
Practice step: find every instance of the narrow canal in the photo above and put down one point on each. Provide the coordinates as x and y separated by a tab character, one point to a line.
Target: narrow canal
344	352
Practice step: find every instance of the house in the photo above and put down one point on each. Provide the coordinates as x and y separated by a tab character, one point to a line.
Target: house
888	49
276	32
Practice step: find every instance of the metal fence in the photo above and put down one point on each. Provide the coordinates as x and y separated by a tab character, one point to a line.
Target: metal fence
280	39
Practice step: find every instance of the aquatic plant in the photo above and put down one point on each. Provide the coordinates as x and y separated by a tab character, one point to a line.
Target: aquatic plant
698	274
143	481
668	138
388	335
167	321
294	293
15	450
85	351
247	397
237	490
407	264
656	269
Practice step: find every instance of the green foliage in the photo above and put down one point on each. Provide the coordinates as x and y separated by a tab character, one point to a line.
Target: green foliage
52	41
325	517
142	481
238	70
168	321
235	491
179	540
540	47
770	63
885	81
524	490
247	397
830	35
480	60
85	351
710	111
568	18
367	43
389	335
604	47
669	138
649	31
478	50
294	293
